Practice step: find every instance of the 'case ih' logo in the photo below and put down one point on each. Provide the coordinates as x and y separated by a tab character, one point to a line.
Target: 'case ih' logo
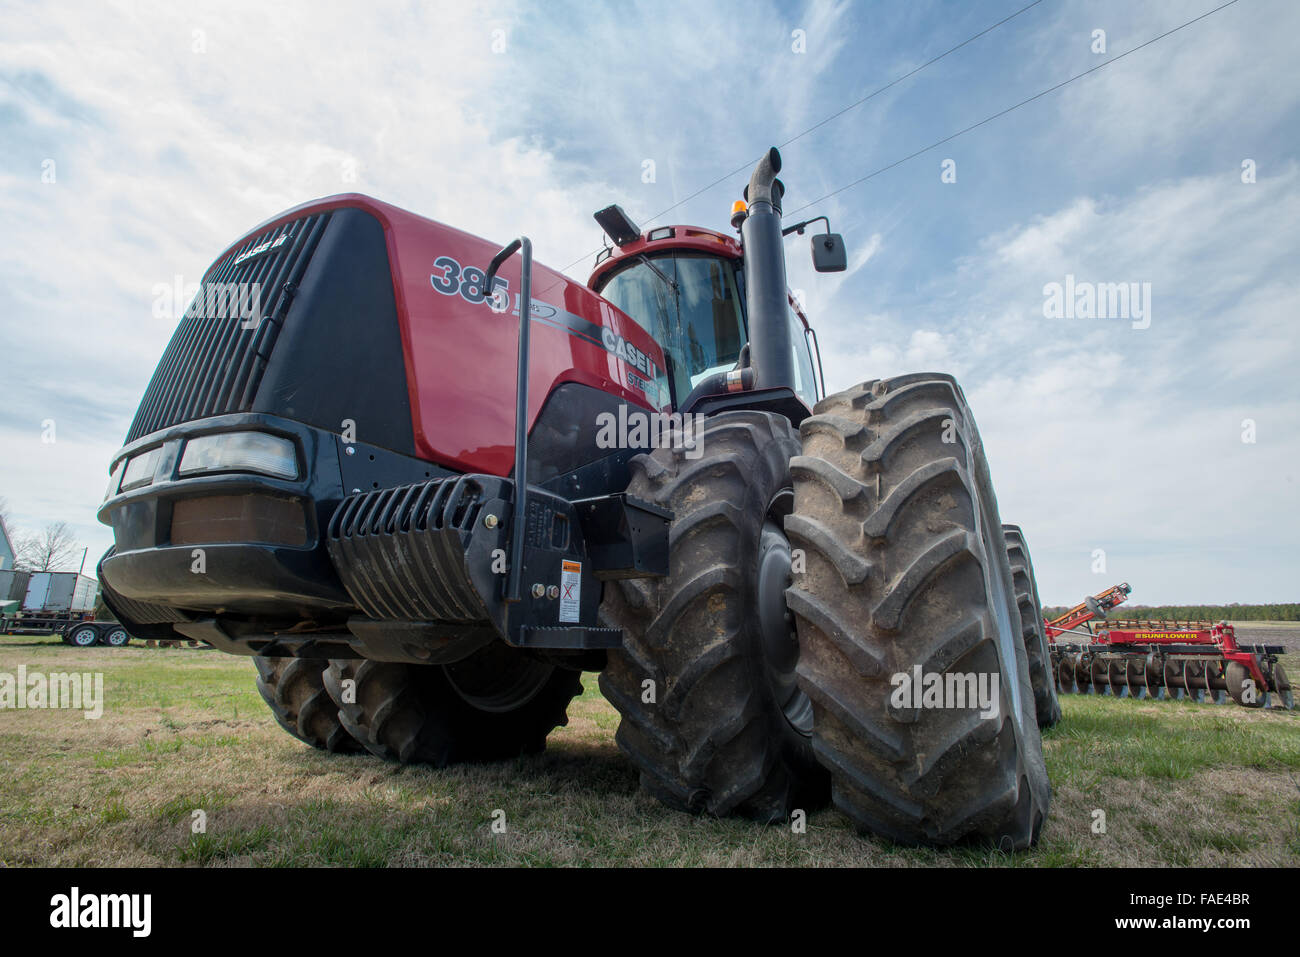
258	250
626	351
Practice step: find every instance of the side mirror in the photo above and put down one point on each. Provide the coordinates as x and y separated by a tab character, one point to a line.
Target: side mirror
828	253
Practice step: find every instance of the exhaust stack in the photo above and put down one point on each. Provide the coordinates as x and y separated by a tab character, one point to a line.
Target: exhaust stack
771	351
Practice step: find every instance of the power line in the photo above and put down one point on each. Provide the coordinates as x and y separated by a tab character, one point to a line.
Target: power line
989	119
851	106
823	122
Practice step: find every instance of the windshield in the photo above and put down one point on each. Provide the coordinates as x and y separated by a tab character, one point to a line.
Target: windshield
698	325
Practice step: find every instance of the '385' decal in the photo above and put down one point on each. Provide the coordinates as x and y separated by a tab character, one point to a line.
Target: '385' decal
450	278
465	280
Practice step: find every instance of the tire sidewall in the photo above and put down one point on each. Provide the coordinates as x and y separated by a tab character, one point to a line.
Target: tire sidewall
1001	592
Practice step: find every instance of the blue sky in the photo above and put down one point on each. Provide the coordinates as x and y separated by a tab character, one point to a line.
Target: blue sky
173	128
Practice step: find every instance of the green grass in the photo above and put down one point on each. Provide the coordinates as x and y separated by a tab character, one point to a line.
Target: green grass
1108	737
185	731
114	811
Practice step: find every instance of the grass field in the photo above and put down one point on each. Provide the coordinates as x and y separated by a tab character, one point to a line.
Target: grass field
184	730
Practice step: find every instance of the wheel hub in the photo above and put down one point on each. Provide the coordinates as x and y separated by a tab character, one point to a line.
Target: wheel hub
777	638
498	680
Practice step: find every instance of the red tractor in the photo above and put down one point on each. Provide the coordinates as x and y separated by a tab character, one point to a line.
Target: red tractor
427	483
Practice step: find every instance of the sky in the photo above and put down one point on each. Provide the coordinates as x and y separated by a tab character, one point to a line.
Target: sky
1159	447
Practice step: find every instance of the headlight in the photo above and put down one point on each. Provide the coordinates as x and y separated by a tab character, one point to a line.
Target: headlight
139	469
240	452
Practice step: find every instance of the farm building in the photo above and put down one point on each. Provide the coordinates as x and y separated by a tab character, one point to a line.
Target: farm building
6	548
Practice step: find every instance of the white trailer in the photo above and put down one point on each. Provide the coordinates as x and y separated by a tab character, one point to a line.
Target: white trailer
52	594
63	603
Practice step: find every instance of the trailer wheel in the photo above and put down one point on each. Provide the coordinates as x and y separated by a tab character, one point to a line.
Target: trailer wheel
294	690
711	712
1032	631
496	704
116	637
907	569
83	636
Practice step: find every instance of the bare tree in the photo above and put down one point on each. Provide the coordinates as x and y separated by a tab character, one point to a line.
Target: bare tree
46	551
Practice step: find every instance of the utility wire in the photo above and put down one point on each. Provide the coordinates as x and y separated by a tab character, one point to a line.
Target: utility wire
951	136
750	164
989	119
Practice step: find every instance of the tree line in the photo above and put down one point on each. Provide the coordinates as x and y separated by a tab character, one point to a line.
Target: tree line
1281	611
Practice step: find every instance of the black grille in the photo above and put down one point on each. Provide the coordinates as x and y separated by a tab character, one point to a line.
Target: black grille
215	360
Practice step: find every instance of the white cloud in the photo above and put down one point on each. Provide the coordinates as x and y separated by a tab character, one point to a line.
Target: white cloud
1102	436
1223	79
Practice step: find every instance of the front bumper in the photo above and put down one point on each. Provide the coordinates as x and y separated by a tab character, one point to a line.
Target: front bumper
223	564
369	553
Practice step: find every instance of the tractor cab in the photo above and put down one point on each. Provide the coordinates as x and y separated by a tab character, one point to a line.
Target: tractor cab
686	287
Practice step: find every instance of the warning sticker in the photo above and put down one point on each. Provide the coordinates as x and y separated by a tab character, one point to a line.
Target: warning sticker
570	591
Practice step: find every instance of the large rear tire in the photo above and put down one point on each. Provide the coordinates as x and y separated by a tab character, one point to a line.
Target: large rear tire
294	690
1032	631
907	568
712	715
496	704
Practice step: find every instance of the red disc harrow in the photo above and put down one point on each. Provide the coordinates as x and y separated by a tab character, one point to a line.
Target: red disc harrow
1132	658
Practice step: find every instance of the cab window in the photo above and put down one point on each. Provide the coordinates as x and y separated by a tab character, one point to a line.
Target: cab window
690	304
805	379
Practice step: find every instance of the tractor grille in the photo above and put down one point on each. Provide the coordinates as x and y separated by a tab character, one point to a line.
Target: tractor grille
215	360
